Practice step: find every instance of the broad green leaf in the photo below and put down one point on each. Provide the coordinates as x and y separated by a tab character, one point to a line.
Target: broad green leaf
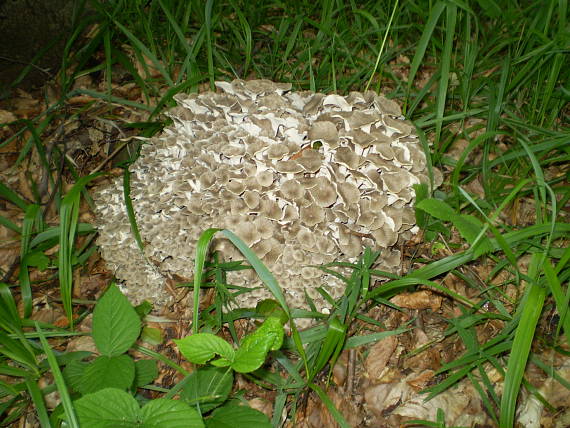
271	308
437	209
113	408
108	408
468	226
207	388
37	259
202	347
145	372
255	346
236	416
165	413
73	374
108	372
116	325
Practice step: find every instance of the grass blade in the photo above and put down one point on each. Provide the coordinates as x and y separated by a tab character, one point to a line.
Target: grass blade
424	41
68	408
441	98
39	403
381	50
330	406
130	209
69	214
531	305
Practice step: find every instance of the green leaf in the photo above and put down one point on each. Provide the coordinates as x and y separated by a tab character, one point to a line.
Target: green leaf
236	416
37	259
144	308
145	372
116	325
69	216
255	346
130	210
202	347
9	195
271	308
152	336
331	346
54	232
70	412
490	7
207	388
468	226
108	372
108	408
165	413
113	408
330	406
532	304
73	374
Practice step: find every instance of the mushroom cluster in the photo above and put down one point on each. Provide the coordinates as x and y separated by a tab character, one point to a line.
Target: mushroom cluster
303	178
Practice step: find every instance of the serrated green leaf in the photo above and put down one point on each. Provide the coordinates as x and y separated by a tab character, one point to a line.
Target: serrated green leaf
116	325
108	408
145	372
236	416
113	408
202	347
165	413
73	374
207	388
255	346
108	372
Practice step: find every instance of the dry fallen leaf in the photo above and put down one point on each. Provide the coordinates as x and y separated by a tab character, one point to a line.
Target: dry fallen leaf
379	356
422	299
6	116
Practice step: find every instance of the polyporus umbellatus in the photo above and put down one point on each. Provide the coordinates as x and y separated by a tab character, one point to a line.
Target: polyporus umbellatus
303	178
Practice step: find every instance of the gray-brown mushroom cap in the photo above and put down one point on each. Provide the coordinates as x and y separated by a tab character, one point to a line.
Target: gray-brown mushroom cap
246	159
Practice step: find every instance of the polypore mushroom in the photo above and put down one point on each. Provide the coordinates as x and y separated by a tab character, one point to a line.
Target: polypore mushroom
247	159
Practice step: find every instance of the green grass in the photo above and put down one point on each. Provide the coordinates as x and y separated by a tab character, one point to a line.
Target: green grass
494	77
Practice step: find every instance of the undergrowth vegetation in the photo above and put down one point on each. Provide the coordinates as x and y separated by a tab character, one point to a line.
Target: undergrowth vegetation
486	84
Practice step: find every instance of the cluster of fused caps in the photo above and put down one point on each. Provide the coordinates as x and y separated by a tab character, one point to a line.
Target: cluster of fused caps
303	178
